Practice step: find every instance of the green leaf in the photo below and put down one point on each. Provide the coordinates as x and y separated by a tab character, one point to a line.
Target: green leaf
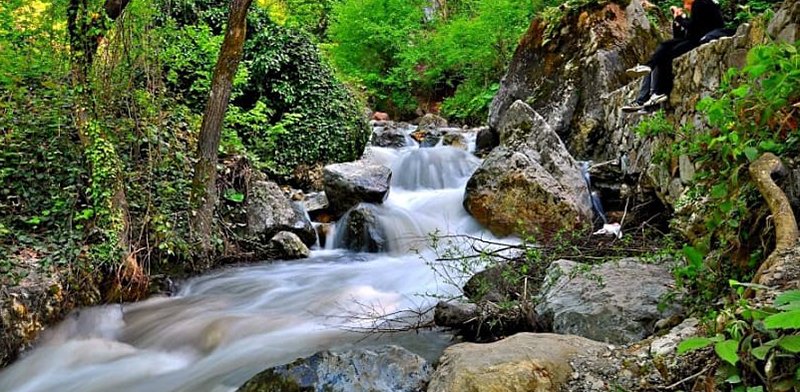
234	196
728	351
695	343
694	256
719	191
755	389
760	352
783	320
741	91
751	153
790	343
734	379
787	297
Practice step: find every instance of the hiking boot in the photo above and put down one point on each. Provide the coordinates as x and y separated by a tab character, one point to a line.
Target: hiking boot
655	100
632	107
639	70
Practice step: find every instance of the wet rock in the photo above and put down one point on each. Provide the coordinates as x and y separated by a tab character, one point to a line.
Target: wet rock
359	230
389	136
384	369
486	140
380	116
431	120
600	302
269	212
455	314
348	184
288	246
521	363
530	183
455	140
427	137
315	202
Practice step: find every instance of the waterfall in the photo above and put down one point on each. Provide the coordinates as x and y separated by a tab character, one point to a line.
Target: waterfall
222	328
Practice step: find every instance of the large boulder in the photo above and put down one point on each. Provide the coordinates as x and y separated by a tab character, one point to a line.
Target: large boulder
384	369
431	120
269	212
524	362
389	135
348	184
531	183
564	70
288	246
360	230
600	302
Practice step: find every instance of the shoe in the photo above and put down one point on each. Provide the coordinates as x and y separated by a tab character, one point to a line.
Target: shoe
639	70
655	99
632	107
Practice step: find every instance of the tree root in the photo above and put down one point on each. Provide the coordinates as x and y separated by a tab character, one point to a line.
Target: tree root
786	233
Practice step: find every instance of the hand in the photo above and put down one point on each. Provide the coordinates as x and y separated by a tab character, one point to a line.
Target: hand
676	11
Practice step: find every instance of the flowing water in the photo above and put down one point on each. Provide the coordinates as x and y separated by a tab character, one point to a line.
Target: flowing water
222	328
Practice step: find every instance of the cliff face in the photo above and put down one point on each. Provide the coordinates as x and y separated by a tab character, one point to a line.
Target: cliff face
563	72
576	81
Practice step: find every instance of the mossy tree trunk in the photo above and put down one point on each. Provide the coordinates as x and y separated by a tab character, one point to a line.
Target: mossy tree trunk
204	190
87	24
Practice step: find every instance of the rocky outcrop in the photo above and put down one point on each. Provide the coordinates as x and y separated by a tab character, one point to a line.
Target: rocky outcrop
385	369
269	212
359	230
288	246
348	184
524	362
530	183
455	139
563	71
600	302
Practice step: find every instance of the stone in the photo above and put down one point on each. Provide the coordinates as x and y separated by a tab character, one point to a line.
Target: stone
668	344
785	24
359	230
455	140
315	202
380	116
486	140
455	314
427	137
525	362
431	120
382	369
600	303
288	246
269	212
530	183
348	184
389	136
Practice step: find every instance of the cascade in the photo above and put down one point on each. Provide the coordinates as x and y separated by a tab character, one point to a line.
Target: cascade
222	328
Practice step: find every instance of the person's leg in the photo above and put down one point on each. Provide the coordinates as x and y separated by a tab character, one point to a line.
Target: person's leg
664	52
662	73
646	89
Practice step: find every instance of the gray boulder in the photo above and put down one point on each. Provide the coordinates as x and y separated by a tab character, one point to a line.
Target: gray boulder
288	246
521	363
530	183
269	212
455	139
486	140
359	230
431	120
389	135
384	369
314	202
348	184
615	302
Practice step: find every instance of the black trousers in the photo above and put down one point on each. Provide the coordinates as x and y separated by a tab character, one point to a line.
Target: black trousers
660	80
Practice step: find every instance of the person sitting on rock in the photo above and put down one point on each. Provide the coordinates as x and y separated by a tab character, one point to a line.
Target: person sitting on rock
688	33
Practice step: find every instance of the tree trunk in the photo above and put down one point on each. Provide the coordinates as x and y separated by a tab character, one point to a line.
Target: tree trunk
204	190
86	29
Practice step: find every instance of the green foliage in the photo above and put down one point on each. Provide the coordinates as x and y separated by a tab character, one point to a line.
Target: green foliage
402	58
752	114
759	345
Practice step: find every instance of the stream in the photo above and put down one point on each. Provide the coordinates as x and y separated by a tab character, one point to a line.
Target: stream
220	329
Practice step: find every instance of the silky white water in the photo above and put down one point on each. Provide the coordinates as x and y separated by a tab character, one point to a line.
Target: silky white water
222	328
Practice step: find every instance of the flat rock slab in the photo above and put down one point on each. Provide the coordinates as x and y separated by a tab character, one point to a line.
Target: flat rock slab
348	184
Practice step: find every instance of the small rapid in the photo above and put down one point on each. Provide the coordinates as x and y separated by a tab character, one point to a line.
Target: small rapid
222	328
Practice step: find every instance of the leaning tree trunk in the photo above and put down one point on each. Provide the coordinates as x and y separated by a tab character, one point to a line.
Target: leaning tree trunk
204	189
777	268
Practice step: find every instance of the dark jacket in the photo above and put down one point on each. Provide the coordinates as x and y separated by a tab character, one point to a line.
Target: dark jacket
706	16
